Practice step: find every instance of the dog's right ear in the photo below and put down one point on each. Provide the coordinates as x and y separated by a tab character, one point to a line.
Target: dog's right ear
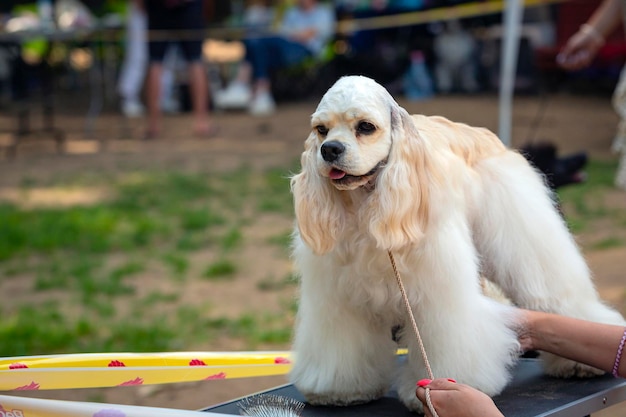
318	205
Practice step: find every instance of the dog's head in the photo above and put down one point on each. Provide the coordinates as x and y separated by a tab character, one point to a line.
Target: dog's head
352	130
356	163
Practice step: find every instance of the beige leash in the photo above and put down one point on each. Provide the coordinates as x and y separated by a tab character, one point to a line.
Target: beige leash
407	305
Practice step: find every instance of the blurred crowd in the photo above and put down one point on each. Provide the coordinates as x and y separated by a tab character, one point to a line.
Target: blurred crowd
289	49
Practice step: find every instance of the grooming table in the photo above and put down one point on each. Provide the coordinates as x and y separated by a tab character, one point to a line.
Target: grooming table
530	394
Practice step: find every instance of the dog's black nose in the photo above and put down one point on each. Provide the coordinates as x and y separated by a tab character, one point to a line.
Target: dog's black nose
332	150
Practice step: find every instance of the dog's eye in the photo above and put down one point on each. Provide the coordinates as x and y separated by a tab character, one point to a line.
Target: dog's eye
322	130
365	128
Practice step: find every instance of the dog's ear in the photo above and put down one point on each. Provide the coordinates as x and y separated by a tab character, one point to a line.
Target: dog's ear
399	208
318	205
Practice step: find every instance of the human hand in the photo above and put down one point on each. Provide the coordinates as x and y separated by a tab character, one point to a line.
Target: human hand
455	400
580	49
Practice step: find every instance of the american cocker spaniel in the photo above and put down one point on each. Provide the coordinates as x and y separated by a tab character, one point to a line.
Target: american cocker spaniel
452	204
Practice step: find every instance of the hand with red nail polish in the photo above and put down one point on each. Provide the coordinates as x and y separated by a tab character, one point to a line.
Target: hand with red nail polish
451	399
424	382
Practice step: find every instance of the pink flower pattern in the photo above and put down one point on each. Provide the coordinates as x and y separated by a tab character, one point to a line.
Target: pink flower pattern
30	387
136	381
279	360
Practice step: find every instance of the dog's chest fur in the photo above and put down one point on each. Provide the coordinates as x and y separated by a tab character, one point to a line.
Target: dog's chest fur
367	274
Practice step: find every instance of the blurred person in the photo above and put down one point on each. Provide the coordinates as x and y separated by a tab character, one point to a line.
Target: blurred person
579	52
303	33
258	17
186	18
133	71
595	344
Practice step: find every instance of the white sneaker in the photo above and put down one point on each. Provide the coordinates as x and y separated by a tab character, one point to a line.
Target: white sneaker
132	109
262	105
236	96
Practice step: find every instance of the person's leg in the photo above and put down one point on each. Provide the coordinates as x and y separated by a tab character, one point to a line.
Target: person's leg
157	21
261	53
273	53
169	99
198	87
199	92
133	70
244	73
191	19
153	95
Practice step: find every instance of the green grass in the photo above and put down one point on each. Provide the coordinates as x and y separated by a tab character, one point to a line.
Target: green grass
84	262
585	206
271	283
223	269
177	264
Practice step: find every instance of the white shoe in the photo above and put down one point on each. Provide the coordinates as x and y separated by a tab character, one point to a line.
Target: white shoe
262	105
132	109
236	96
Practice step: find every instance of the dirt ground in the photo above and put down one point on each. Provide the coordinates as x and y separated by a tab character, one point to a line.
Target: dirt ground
575	123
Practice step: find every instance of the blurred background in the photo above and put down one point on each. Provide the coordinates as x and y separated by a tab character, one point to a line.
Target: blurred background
110	242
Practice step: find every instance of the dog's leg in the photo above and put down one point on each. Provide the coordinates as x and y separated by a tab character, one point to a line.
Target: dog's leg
466	336
343	355
527	249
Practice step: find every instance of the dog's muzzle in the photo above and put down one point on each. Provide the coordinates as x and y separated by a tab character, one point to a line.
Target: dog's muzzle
331	151
345	181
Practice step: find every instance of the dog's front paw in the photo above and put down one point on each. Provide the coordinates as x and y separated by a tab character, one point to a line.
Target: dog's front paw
565	368
412	403
323	385
409	399
341	398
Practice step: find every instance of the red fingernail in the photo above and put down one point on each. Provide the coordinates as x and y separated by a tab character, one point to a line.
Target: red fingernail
423	382
452	380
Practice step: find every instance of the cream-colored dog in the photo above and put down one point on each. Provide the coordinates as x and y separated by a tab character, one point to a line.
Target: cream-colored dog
451	203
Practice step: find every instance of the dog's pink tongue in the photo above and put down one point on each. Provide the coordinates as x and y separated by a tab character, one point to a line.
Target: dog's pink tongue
336	174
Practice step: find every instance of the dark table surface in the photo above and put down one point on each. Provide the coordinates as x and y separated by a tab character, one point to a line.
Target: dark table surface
530	394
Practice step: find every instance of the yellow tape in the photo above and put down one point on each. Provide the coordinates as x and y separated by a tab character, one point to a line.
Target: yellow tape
99	370
432	15
145	359
71	378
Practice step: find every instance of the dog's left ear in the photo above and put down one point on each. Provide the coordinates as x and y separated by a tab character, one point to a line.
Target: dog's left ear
399	208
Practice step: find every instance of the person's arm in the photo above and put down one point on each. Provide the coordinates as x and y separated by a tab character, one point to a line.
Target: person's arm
594	344
606	17
583	46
